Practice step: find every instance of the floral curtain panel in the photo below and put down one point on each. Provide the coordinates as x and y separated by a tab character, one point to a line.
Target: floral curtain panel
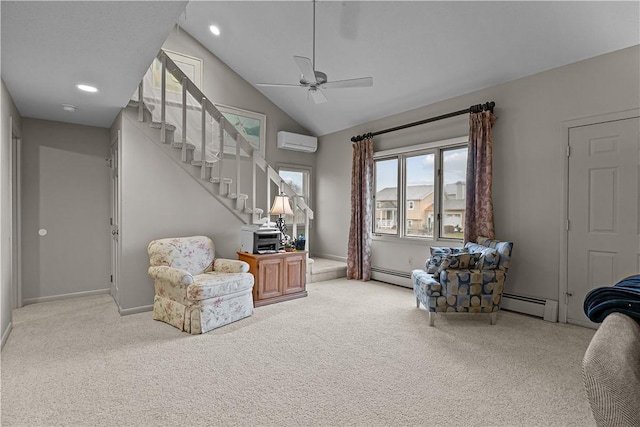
479	205
359	248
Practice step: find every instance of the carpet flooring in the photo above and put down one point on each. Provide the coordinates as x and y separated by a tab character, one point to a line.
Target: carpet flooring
349	354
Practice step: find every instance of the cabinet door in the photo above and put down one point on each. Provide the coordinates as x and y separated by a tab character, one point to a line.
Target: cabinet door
294	274
269	278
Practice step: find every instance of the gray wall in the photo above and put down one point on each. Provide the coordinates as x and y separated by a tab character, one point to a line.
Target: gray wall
160	200
65	190
8	112
529	160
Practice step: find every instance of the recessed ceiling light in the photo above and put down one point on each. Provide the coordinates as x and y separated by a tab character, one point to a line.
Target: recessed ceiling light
215	30
68	107
87	88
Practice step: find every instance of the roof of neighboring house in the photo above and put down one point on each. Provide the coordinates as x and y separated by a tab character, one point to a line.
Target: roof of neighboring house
387	205
414	192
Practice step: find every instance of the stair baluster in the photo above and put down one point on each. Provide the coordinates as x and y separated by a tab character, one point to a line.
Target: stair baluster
163	101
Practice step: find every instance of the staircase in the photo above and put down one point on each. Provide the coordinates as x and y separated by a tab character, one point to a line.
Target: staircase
202	139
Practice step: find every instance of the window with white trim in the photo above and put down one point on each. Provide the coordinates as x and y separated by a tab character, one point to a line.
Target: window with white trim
298	179
421	188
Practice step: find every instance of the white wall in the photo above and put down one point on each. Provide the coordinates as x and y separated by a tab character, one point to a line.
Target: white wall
529	160
8	114
65	190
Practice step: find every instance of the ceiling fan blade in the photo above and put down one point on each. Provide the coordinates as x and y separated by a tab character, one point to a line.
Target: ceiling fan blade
361	82
276	85
317	96
306	68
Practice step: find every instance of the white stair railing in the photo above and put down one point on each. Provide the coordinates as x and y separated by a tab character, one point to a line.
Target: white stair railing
177	111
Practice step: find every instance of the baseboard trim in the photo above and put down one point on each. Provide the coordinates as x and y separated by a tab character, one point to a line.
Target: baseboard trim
5	334
135	310
66	296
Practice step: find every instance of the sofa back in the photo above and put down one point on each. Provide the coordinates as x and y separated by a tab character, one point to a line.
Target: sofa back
503	248
194	254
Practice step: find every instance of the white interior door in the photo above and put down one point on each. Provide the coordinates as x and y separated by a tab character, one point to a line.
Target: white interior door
603	236
115	218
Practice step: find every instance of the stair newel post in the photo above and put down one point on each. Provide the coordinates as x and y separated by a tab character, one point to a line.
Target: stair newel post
140	101
184	119
306	232
203	144
295	215
221	154
163	99
254	178
238	164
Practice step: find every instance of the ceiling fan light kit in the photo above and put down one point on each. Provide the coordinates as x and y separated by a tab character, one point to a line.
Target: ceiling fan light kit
314	80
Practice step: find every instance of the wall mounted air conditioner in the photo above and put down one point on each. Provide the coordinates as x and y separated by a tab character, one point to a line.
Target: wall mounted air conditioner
297	142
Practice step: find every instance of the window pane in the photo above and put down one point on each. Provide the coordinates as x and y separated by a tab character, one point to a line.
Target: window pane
454	170
419	195
297	180
386	208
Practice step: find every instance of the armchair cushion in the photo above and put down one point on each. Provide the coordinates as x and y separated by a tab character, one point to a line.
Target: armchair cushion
438	254
489	257
459	261
214	284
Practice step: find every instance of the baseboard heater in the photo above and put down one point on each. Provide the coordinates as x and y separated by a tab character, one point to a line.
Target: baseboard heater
395	277
546	309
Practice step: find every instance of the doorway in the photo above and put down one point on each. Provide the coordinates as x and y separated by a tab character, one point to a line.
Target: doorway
16	247
603	241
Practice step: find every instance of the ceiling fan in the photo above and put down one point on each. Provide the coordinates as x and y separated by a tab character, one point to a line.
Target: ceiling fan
315	80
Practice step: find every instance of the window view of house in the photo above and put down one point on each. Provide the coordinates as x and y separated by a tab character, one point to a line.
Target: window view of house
386	193
422	216
419	179
454	170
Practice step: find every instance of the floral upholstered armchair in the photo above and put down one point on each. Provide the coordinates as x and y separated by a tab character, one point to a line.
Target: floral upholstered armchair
194	291
468	279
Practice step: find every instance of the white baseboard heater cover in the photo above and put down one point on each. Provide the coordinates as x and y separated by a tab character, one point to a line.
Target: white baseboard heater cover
546	309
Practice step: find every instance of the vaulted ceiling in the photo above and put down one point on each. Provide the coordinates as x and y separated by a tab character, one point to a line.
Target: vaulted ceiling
417	52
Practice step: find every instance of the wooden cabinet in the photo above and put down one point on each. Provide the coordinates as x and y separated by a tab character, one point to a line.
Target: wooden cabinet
278	277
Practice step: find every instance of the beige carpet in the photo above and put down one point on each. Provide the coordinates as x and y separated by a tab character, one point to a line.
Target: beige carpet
351	353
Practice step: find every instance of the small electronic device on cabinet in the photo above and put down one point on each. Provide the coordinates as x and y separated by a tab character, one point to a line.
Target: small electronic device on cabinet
257	239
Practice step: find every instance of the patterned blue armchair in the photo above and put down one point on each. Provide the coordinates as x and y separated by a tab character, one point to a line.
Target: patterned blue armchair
469	279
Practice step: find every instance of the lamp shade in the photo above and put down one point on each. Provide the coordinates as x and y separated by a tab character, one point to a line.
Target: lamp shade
281	206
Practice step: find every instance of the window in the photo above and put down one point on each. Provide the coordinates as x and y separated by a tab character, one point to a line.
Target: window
386	197
432	179
298	179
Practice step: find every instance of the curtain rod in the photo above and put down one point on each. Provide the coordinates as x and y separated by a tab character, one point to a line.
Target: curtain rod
473	109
